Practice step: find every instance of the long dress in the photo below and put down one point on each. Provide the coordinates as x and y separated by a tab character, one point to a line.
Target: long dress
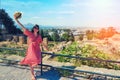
33	53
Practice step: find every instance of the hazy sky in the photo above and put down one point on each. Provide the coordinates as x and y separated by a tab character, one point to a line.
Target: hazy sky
95	13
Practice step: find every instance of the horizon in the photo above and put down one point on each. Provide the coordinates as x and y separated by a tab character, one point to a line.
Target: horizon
75	13
30	25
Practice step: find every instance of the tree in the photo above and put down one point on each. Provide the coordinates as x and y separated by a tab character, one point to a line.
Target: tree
8	23
41	33
102	33
55	36
45	33
65	36
71	37
81	36
90	34
111	31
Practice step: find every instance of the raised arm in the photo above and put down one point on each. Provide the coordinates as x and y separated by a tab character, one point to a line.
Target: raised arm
21	25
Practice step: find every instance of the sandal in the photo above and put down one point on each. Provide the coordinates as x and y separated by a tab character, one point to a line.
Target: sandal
33	78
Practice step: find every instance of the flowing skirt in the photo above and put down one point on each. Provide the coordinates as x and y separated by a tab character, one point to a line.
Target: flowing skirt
33	55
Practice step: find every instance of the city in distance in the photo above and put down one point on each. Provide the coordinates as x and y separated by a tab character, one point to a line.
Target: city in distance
82	28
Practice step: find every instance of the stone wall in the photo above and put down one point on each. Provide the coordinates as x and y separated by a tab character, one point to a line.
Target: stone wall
21	39
14	38
7	37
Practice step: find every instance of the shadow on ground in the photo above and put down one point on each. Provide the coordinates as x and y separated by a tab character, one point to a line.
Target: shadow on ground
49	75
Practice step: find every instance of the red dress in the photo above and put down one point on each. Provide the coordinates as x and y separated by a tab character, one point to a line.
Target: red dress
33	53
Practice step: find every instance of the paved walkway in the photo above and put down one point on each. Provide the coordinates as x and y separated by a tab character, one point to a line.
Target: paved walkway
84	68
17	72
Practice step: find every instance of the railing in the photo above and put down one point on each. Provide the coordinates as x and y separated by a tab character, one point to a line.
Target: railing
76	57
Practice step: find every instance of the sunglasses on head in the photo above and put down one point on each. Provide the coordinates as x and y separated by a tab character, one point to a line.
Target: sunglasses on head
36	27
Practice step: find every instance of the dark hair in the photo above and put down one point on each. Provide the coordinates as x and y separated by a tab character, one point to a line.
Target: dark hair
35	27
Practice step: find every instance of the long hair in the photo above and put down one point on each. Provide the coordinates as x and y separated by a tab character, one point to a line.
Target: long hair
34	27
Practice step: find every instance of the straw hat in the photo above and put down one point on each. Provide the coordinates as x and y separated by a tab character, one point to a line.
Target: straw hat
17	15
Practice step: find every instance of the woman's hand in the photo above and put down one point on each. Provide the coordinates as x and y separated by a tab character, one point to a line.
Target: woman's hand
15	18
18	16
47	48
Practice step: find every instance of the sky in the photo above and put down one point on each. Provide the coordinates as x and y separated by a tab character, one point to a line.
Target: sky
73	13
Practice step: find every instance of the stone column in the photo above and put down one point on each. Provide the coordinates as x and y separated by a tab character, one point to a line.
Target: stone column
22	40
45	40
15	39
76	38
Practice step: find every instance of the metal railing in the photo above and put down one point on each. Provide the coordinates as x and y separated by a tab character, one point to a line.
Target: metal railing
76	57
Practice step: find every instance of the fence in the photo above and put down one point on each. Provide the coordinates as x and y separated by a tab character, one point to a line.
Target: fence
76	57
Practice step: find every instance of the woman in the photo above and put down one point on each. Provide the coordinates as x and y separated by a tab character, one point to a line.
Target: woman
33	57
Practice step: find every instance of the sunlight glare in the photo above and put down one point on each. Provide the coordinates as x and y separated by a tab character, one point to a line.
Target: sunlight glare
101	3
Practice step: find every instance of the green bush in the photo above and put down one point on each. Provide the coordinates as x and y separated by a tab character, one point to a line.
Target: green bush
87	51
64	73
